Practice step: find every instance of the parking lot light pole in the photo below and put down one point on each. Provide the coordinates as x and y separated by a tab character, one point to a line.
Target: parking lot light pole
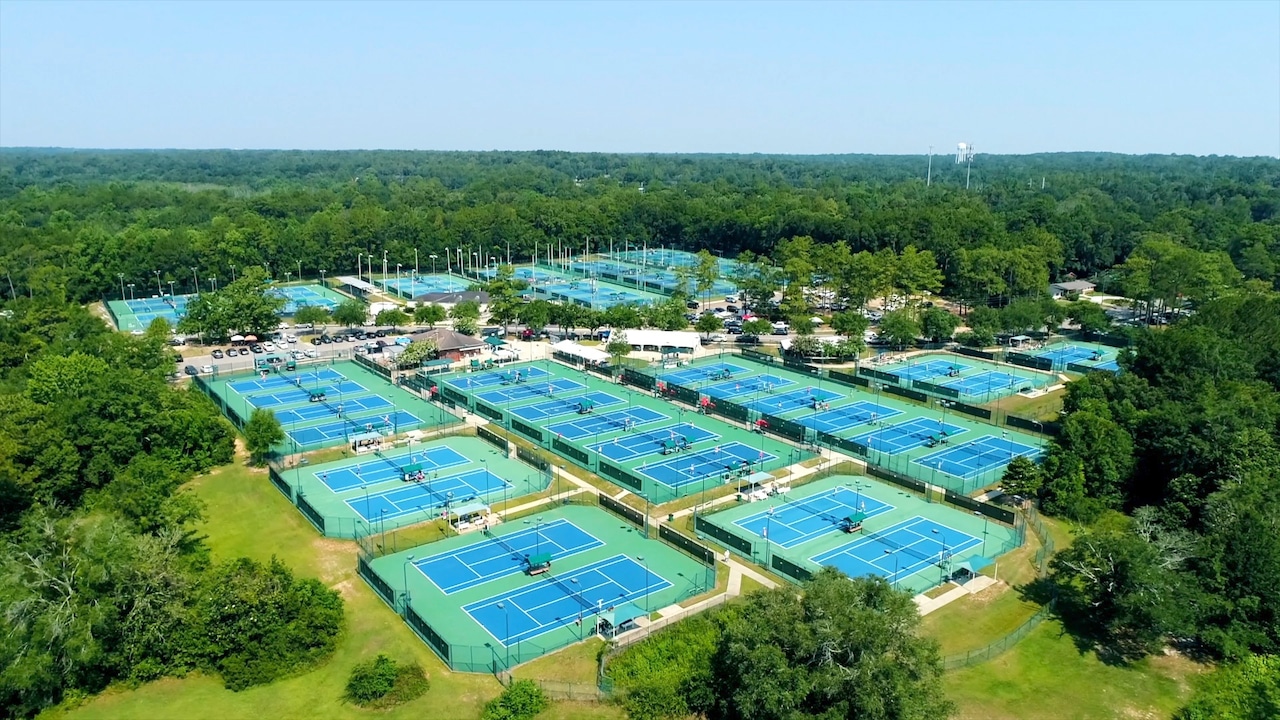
405	568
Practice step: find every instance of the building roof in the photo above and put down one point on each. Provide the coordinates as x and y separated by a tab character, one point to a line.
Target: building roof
1074	286
453	298
357	283
663	338
447	340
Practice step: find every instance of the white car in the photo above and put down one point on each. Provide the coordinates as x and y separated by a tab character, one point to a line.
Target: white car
731	298
310	353
269	346
291	338
206	369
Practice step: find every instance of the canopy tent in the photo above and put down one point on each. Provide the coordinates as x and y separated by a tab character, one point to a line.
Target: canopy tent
974	565
620	614
237	338
494	341
365	437
589	354
475	507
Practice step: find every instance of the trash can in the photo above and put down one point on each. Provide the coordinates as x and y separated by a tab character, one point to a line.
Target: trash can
671	517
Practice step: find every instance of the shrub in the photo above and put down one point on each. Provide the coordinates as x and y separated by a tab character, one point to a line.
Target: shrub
522	700
383	683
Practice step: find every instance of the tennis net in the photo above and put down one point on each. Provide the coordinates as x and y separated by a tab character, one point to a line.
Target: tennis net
933	558
389	461
571	592
506	546
824	514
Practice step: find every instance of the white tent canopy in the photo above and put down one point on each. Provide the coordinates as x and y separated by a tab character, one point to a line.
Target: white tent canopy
590	354
658	339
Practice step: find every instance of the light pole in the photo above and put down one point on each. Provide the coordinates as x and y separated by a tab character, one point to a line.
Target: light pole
159	290
322	277
299	271
195	280
405	568
646	582
506	638
213	282
121	276
433	262
288	275
233	273
415	261
985	522
131	291
894	582
537	536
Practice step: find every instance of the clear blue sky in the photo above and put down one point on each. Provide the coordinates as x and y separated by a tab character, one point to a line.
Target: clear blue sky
1169	77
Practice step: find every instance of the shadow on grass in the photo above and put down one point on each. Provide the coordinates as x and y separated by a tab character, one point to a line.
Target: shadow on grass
1113	646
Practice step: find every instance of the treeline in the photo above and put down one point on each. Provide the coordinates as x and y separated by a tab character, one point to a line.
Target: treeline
90	221
103	576
1174	467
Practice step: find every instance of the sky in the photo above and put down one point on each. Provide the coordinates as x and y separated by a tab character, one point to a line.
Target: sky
723	77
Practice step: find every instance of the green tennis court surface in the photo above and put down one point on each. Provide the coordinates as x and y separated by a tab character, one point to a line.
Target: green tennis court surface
322	404
626	435
866	422
137	314
408	484
471	600
964	378
911	542
312	295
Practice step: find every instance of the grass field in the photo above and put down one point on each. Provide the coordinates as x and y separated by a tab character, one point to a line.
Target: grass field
246	516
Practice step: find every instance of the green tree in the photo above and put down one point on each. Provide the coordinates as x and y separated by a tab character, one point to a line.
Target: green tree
850	324
622	317
350	313
756	327
807	346
504	296
372	680
618	348
312	315
536	314
937	324
1246	690
1022	477
261	433
758	280
521	700
417	352
708	324
428	315
246	305
1091	317
899	328
394	317
822	653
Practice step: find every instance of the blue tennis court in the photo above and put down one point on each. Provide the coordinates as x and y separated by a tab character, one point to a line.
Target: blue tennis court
291	394
563	405
844	417
746	385
525	390
640	443
898	551
423	284
909	435
927	369
594	423
315	411
599	296
505	554
566	599
804	519
984	382
148	309
1063	354
977	456
490	378
385	423
429	494
296	296
687	468
1110	366
276	380
378	470
685	376
778	403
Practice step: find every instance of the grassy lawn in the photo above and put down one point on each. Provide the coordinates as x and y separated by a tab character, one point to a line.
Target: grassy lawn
246	516
750	585
1045	677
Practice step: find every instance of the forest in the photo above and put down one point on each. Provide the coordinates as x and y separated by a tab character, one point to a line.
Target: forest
1169	469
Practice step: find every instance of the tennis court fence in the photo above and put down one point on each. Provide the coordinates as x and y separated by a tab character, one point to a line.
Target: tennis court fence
1030	361
635	378
373	366
976	353
848	379
493	439
1050	428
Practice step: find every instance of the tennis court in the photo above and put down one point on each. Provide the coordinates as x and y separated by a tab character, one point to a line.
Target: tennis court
564	405
137	314
412	287
595	295
329	433
596	423
297	296
806	518
976	456
900	550
908	435
926	370
700	373
317	411
428	494
528	389
391	467
1060	355
641	443
489	378
747	385
843	417
778	403
557	601
690	468
506	553
984	382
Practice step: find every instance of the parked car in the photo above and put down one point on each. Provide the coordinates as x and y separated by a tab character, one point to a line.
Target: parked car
206	369
325	340
191	370
732	308
217	354
257	349
311	353
315	341
692	305
291	338
731	298
269	346
747	340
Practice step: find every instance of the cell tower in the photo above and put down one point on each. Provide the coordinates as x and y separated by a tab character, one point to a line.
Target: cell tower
964	155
